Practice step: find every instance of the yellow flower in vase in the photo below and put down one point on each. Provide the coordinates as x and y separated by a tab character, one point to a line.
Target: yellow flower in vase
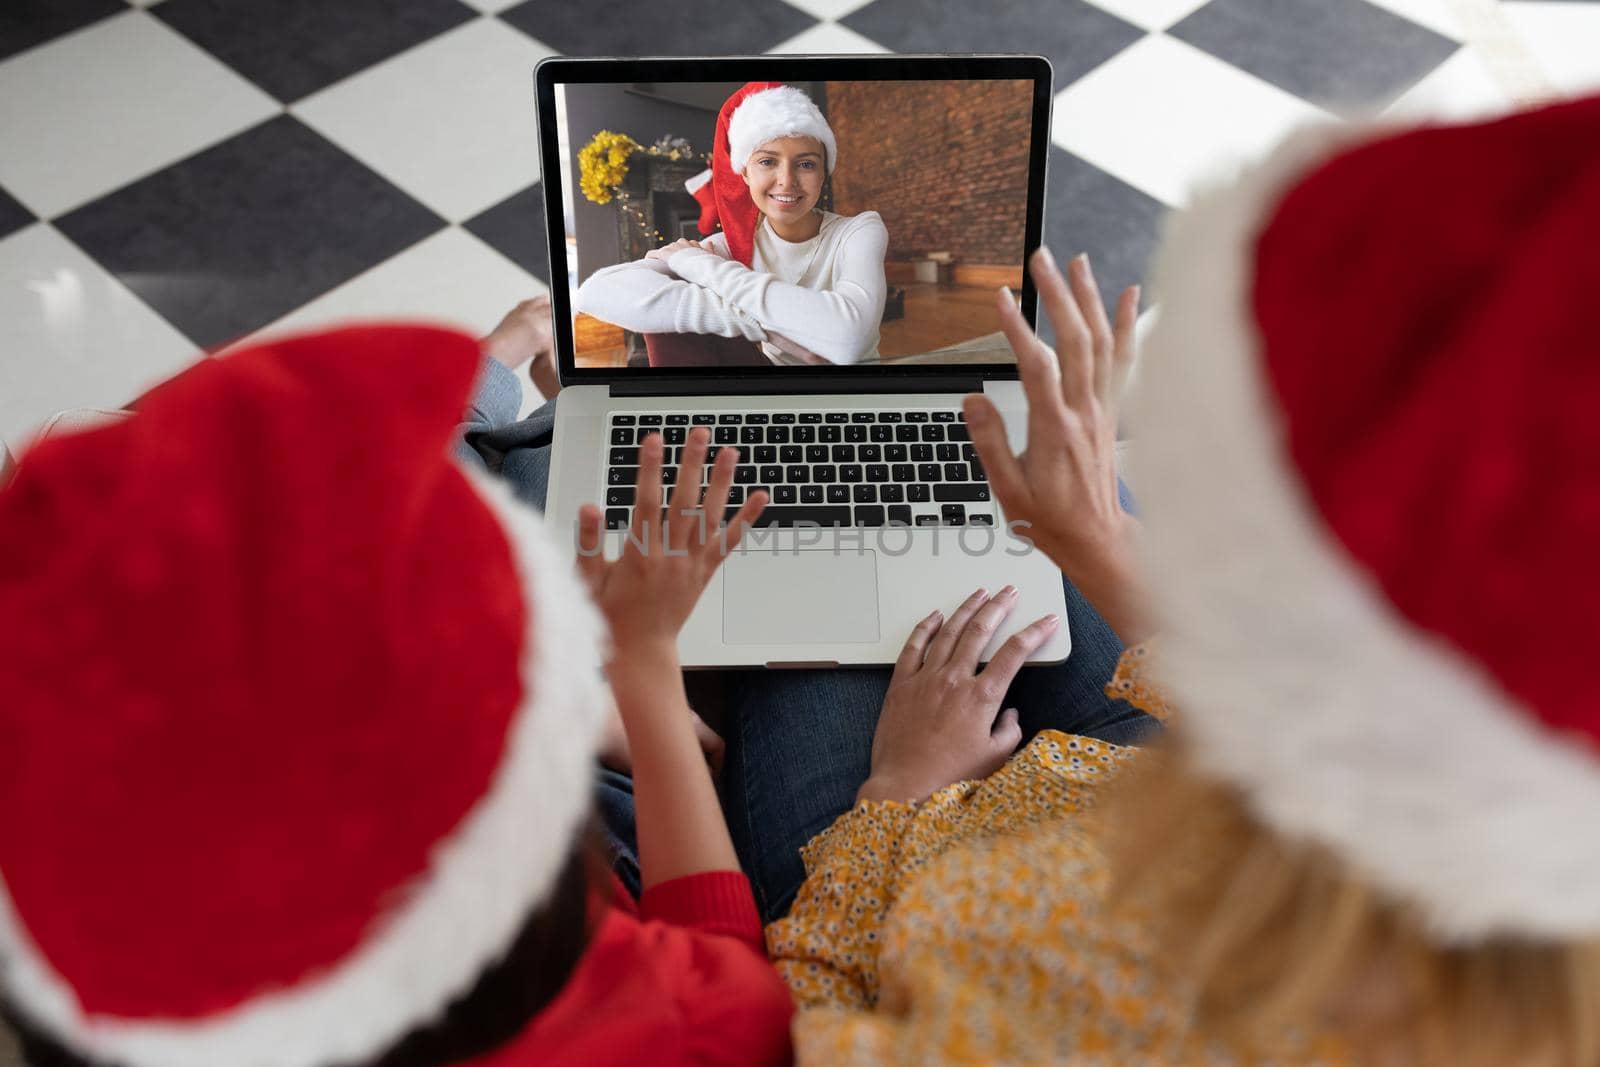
603	165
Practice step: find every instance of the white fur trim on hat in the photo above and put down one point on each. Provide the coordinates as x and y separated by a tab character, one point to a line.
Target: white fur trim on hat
783	111
1343	723
499	864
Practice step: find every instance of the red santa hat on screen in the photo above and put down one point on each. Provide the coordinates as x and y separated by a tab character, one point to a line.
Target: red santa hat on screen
1369	460
756	113
298	717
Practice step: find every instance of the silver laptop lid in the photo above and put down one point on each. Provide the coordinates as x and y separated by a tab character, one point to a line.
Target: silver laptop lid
878	205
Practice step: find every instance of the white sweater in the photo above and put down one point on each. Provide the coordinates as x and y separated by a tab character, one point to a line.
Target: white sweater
832	310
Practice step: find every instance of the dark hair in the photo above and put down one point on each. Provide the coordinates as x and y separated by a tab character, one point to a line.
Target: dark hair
507	994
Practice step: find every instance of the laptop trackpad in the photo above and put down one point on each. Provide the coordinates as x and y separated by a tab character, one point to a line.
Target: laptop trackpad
812	597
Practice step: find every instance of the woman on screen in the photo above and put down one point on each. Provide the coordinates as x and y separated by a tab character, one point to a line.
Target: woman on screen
804	284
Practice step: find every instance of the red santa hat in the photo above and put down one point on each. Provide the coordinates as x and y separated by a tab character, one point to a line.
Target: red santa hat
299	714
756	113
1369	460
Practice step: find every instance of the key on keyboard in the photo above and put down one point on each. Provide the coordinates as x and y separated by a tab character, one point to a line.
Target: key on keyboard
866	468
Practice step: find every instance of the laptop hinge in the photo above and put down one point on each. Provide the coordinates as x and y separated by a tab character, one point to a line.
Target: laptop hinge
775	386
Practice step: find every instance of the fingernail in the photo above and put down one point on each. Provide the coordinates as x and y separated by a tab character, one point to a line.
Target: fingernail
981	591
1007	592
977	414
1052	620
1048	259
934	614
1011	298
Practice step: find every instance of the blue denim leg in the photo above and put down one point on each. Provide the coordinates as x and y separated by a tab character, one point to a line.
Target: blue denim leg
799	745
1070	696
528	471
520	452
614	811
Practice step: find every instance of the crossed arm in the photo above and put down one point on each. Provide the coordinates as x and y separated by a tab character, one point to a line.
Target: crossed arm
838	324
695	289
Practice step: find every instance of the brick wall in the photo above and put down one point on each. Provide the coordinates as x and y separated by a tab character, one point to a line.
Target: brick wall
944	163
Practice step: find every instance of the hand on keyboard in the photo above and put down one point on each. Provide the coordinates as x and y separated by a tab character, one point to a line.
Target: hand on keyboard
668	556
1064	484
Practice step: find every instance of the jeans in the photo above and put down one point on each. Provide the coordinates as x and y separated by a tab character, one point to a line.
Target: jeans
614	813
799	743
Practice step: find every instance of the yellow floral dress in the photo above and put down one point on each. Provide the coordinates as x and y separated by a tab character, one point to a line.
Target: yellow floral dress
971	929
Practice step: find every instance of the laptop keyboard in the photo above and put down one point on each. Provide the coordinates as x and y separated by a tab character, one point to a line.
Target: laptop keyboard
914	467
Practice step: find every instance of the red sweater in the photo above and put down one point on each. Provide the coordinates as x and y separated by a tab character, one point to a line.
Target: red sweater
682	978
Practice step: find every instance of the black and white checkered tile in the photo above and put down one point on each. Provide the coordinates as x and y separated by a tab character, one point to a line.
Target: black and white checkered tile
177	174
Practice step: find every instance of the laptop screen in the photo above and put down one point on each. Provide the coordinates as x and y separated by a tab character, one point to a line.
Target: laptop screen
782	225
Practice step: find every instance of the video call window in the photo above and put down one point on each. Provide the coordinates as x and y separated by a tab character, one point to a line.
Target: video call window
842	223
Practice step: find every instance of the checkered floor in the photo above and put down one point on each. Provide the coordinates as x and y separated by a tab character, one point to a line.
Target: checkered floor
177	174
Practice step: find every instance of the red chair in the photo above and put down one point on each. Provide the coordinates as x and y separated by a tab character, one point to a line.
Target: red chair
702	350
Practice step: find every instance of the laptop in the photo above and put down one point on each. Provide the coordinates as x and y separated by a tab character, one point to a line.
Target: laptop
855	217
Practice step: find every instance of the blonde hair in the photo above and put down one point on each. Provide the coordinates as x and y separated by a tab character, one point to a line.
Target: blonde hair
1270	934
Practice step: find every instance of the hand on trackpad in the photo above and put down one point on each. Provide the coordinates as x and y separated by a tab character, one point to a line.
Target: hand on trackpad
816	596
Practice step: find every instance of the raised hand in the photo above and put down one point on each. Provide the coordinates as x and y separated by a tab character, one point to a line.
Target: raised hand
1064	483
647	594
527	333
